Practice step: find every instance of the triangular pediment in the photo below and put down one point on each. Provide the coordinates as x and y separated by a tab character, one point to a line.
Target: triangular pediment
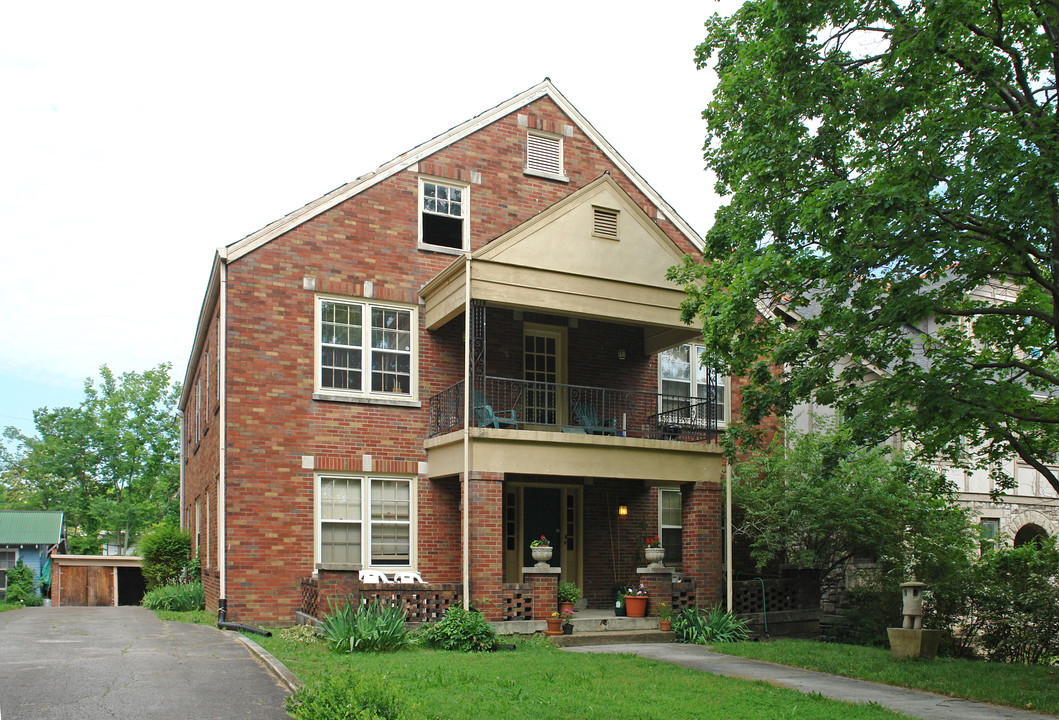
596	232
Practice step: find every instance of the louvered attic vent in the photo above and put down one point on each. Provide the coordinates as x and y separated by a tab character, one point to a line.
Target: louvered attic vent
605	223
544	154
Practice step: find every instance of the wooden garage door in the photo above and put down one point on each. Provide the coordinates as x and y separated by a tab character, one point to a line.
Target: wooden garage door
81	585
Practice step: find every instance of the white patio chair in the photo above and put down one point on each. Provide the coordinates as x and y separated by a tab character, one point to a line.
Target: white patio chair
374	576
409	577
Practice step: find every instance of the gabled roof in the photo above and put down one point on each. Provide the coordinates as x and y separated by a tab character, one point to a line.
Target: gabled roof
30	527
402	162
306	213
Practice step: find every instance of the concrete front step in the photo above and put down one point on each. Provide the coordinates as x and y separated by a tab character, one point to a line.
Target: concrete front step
585	622
612	638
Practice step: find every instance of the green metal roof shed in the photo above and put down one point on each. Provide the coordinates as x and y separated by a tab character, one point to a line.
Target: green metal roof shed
30	527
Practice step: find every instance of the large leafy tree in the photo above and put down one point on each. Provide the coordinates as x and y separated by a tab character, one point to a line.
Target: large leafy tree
816	500
893	168
111	464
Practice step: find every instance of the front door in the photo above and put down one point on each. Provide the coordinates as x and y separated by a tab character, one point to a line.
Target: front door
553	511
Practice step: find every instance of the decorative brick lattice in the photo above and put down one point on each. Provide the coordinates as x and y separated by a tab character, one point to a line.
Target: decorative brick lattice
754	596
518	602
683	594
310	596
423	603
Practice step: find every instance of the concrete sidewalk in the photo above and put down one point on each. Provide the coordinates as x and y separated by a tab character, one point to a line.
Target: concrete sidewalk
913	703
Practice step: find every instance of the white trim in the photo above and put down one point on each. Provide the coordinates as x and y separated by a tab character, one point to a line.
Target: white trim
365	521
465	216
365	393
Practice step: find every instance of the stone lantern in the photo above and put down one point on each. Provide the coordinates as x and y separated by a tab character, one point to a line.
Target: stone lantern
911	640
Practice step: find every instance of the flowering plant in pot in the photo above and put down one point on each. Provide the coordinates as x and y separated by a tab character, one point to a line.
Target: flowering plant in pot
541	550
636	600
653	551
665	615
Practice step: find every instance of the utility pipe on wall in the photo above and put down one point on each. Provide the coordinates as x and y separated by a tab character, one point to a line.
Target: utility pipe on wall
466	499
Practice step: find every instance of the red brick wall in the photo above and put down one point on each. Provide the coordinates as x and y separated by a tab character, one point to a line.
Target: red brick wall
272	419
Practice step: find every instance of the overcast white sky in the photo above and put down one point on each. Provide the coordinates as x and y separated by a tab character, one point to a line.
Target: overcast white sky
138	137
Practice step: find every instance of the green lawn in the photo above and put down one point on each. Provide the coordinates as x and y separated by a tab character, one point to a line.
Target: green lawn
1031	687
540	682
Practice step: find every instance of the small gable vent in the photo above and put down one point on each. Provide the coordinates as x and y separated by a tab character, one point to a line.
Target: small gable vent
544	154
605	223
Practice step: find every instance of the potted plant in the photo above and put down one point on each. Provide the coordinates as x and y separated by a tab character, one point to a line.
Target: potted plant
555	623
541	550
636	601
653	551
665	615
568	595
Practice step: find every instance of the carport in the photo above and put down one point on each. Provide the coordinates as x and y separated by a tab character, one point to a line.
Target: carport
96	580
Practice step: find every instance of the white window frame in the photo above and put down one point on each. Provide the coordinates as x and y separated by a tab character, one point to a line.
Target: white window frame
366	521
542	136
697	371
365	393
5	569
670	526
465	216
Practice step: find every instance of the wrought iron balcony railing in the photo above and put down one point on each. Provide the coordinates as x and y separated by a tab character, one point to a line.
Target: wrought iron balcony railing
524	405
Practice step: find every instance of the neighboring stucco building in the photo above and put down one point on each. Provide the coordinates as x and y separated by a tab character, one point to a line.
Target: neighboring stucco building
513	266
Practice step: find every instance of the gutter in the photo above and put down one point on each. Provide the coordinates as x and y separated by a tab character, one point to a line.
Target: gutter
465	522
181	420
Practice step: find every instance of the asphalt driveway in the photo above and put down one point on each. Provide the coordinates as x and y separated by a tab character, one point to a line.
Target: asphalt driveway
123	662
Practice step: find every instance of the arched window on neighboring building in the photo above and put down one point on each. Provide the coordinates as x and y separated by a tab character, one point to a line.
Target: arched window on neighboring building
1030	533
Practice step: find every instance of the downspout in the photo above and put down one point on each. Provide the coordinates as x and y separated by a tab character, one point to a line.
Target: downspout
222	364
180	419
728	581
466	499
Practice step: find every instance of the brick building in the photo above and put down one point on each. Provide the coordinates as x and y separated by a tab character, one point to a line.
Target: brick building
490	305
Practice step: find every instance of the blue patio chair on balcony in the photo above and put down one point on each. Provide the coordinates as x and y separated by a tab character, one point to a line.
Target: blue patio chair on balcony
487	417
586	417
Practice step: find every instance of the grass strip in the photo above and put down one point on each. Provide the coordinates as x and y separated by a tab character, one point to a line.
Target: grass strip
1029	687
542	683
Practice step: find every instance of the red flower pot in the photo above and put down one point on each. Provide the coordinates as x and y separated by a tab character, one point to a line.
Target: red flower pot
636	605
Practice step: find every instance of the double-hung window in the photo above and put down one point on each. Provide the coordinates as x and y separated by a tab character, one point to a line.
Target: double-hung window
443	215
365	349
365	521
670	525
690	390
8	558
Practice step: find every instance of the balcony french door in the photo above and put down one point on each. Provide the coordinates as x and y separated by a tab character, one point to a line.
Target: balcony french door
544	369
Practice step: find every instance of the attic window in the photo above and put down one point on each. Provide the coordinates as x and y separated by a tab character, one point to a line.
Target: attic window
443	215
544	155
605	223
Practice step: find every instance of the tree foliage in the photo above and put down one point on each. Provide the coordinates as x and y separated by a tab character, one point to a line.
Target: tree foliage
110	464
893	168
821	500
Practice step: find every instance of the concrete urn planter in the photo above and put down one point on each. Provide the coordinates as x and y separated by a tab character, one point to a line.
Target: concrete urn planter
654	556
542	554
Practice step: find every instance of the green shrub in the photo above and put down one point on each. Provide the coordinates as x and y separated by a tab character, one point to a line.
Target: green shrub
715	625
372	627
461	630
21	587
179	597
346	697
165	550
1017	601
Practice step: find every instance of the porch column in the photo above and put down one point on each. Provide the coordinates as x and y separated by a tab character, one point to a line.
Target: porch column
487	543
659	584
544	587
703	540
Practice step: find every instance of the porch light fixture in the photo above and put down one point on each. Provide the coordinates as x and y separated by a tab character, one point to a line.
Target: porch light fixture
623	510
621	353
